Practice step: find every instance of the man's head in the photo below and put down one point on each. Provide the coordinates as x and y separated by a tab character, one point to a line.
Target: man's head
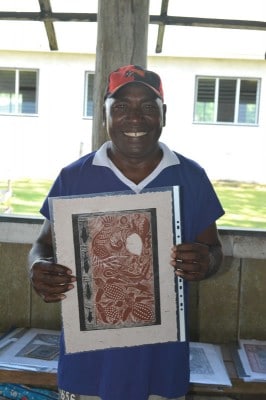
133	73
134	113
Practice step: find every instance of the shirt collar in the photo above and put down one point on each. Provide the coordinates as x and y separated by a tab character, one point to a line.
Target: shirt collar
169	158
101	158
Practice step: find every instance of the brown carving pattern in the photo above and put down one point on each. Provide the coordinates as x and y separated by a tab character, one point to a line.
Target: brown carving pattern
119	282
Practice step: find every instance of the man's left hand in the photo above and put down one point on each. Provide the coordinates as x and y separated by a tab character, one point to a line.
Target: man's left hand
191	260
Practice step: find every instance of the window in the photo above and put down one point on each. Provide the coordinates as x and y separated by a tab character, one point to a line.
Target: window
18	91
227	100
88	102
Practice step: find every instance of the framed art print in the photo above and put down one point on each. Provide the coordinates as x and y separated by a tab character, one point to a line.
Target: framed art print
30	349
118	246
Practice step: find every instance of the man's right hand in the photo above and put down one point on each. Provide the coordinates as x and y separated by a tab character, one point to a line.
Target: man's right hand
51	281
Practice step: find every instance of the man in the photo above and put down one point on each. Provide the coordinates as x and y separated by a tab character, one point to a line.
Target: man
134	159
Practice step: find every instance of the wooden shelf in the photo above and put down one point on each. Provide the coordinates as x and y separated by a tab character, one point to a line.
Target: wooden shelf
238	385
47	379
40	379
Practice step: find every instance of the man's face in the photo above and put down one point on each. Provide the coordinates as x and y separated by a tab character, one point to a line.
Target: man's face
134	119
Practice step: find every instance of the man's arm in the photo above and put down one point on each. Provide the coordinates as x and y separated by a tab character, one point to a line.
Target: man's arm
50	280
199	260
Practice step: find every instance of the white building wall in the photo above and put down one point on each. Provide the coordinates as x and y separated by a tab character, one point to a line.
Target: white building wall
225	151
39	146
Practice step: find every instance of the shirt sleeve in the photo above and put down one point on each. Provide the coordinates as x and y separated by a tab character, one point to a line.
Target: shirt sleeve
209	208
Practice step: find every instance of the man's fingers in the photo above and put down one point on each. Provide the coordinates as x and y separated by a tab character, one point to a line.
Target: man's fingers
51	268
52	298
55	279
51	281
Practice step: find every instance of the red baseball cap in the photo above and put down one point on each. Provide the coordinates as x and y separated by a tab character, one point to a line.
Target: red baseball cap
133	73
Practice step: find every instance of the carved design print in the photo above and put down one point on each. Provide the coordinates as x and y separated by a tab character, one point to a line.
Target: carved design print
117	269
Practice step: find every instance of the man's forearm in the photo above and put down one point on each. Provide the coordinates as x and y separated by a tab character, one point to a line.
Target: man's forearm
216	258
40	251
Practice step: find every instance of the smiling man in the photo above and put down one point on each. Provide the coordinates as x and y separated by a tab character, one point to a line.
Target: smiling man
134	118
133	160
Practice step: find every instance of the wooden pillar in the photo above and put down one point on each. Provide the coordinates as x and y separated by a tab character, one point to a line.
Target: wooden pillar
122	39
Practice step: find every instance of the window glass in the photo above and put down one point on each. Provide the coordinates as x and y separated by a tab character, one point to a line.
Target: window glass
18	92
27	92
7	91
89	78
247	102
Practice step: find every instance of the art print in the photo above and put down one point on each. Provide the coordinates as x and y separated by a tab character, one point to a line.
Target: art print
36	349
117	264
199	362
207	365
42	346
256	355
118	246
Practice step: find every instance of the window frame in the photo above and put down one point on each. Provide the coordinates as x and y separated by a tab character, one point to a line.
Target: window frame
17	92
86	93
237	100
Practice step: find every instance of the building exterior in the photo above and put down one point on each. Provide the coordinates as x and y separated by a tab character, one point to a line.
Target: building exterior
215	94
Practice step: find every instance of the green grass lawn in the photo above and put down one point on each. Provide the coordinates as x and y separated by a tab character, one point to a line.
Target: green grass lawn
244	203
27	195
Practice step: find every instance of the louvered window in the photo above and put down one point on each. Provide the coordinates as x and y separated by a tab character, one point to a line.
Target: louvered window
227	100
